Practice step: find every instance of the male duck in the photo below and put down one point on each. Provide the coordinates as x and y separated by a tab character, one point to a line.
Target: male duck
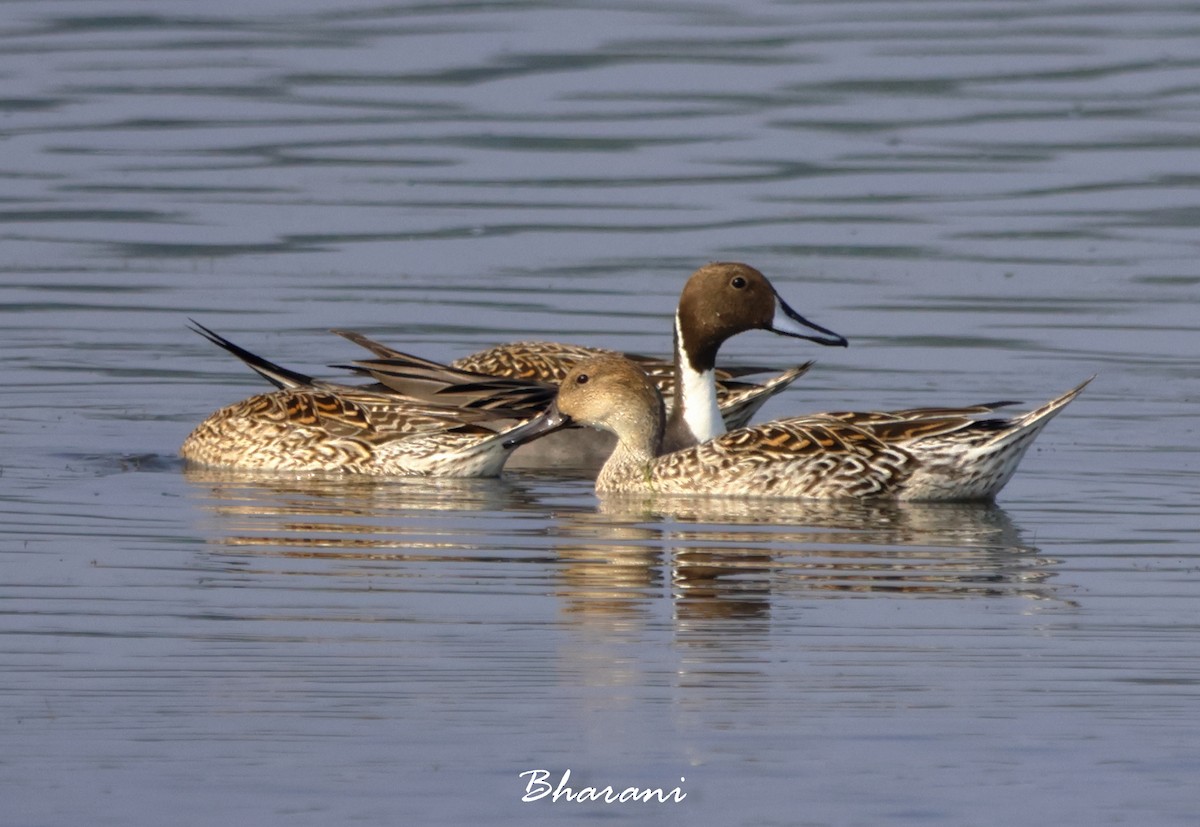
928	454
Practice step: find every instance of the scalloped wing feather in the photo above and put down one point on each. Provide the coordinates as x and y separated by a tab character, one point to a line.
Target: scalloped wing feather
814	457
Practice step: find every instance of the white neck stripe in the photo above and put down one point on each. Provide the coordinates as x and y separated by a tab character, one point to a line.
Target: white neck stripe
699	395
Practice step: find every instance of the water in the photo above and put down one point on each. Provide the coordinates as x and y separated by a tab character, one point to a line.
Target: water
992	200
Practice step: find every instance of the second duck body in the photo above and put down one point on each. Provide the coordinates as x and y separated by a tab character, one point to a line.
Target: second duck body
927	454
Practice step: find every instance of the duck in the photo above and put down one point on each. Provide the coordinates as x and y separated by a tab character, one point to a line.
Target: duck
720	300
311	426
917	454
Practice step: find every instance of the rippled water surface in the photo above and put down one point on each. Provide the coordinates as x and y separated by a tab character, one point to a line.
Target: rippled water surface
991	199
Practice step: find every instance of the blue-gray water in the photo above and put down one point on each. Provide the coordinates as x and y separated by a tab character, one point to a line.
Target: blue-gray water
991	199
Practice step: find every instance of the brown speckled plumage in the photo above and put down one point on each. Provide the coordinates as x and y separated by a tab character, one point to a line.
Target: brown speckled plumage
317	430
312	426
929	454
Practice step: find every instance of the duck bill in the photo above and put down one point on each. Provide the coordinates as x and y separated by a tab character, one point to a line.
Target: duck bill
788	322
547	422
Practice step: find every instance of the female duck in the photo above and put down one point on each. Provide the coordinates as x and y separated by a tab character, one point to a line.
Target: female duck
312	426
920	454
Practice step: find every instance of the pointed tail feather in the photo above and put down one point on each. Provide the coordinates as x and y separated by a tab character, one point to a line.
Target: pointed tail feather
384	352
444	385
742	403
1031	423
277	375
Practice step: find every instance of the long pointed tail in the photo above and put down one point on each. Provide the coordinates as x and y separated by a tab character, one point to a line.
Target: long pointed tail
277	375
986	467
745	398
1030	424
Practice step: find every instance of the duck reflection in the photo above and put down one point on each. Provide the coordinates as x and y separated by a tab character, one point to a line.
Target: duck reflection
638	550
350	517
716	559
607	567
731	548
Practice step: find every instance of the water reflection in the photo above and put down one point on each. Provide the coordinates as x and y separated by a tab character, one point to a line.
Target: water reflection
612	563
346	494
345	517
748	549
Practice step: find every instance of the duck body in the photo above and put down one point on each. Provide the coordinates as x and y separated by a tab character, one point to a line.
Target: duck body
921	454
312	430
309	426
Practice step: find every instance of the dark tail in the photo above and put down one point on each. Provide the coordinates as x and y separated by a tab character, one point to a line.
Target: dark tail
277	375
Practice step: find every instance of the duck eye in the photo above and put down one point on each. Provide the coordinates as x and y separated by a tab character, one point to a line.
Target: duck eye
737	282
581	379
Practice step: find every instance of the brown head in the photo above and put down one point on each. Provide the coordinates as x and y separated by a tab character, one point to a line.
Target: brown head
724	299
